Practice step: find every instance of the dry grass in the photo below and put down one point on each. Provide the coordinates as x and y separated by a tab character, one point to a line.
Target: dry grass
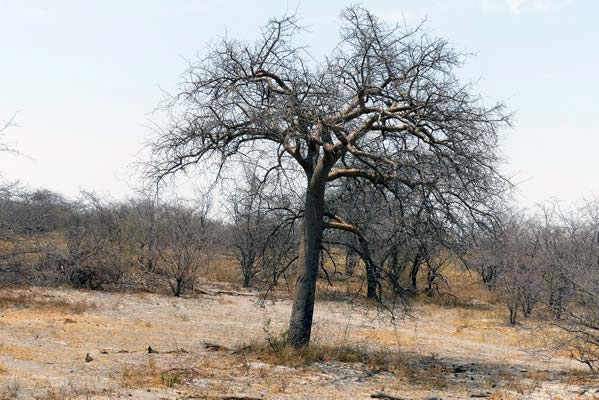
423	372
11	390
74	389
223	269
26	300
150	375
141	376
279	353
17	352
411	359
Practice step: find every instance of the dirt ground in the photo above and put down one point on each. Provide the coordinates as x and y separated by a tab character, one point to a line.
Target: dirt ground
445	353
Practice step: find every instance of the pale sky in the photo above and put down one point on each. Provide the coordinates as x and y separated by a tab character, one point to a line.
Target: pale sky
85	77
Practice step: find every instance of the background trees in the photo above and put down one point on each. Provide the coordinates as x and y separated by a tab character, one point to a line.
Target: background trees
384	109
90	242
185	240
249	210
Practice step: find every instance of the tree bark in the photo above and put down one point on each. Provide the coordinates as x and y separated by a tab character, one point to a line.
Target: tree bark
371	273
414	271
247	267
350	262
300	325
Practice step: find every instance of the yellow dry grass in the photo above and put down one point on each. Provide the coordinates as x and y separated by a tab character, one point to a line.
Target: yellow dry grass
17	352
42	303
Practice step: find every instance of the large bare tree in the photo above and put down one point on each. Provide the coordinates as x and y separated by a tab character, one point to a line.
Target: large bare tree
385	107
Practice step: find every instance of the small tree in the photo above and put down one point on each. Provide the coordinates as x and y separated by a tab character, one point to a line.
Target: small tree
95	252
143	223
248	209
185	243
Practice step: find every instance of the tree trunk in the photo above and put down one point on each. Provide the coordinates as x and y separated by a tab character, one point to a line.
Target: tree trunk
414	271
177	287
300	325
371	281
246	280
247	262
513	314
350	262
371	273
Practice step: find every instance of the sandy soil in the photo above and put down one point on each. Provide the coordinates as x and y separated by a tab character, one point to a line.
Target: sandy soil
449	353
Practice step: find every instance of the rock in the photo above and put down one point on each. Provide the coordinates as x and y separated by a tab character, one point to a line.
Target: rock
459	369
88	358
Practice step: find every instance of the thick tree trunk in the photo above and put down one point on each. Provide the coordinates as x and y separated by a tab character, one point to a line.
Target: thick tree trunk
300	325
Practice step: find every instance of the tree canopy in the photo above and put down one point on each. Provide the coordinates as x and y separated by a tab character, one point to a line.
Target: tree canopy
385	109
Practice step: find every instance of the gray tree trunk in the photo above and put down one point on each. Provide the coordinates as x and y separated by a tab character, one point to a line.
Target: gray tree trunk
414	271
350	262
371	278
300	325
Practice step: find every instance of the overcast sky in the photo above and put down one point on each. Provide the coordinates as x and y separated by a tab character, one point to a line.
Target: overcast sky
85	77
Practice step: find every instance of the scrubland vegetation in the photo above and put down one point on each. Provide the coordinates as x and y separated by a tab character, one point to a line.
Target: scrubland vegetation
519	299
358	240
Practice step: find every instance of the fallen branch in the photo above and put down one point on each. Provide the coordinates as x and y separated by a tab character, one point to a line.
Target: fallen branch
154	351
217	292
384	396
214	346
223	397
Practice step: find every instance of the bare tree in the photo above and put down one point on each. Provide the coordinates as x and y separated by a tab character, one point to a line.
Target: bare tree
248	208
185	243
144	219
510	260
95	251
385	108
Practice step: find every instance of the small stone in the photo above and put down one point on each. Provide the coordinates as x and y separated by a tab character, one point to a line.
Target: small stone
459	369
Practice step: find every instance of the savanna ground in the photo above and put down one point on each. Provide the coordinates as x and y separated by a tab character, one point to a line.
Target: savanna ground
225	344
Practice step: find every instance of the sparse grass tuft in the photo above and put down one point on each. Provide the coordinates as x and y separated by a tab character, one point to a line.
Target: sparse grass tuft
427	374
170	378
283	354
11	390
151	375
139	376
